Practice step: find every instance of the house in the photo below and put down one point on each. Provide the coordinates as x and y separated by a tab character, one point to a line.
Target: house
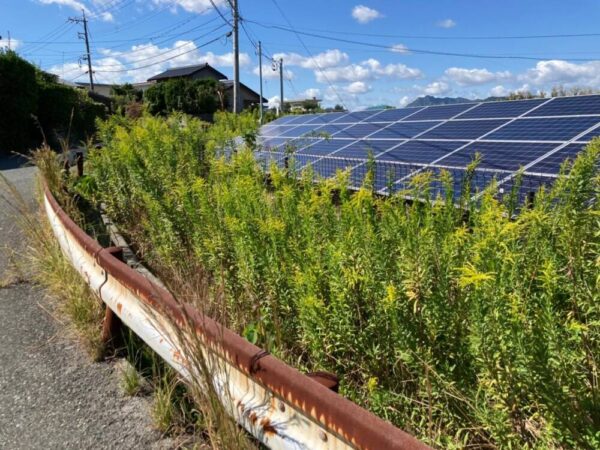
205	71
303	105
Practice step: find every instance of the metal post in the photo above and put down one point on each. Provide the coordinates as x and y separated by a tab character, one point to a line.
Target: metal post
260	102
280	86
112	324
236	57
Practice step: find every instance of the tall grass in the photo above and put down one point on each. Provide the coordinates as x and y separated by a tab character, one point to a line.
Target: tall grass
481	331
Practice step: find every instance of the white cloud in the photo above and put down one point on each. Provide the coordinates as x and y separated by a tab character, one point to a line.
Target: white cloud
400	48
312	93
404	101
324	60
498	91
79	6
446	23
467	77
14	43
270	74
146	60
436	88
367	70
364	14
358	87
196	6
549	73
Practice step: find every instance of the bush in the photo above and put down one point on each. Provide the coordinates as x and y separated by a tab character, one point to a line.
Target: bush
18	100
193	97
478	333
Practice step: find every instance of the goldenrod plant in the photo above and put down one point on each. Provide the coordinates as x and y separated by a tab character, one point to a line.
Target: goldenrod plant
467	330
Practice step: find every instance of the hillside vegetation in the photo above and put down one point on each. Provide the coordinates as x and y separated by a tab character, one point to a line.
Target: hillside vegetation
465	328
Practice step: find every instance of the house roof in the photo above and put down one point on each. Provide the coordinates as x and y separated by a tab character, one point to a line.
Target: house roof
186	71
229	85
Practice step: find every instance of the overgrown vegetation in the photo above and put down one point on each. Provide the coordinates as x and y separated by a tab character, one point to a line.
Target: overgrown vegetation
481	332
31	98
196	97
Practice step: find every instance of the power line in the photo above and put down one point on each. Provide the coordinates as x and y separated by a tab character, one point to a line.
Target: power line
447	38
409	49
309	52
166	59
216	8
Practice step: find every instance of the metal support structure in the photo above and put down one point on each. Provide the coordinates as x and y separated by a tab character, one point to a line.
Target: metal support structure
260	102
236	57
112	325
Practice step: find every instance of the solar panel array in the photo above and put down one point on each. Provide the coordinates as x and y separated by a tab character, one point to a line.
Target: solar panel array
534	135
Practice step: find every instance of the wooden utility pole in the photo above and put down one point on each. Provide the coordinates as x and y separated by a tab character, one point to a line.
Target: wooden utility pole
236	57
88	55
260	102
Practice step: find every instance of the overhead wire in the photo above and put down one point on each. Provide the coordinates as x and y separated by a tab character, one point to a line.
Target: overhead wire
331	86
410	49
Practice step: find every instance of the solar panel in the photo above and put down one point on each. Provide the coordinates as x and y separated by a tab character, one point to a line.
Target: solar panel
441	112
403	130
463	129
552	163
501	109
552	129
409	141
591	135
323	147
498	155
423	152
569	106
392	115
360	149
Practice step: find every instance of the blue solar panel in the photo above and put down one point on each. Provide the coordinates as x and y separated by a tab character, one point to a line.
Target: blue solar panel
328	118
402	130
353	117
498	155
568	106
463	129
324	147
501	109
423	152
554	129
591	135
441	112
302	119
328	167
361	149
283	120
361	130
271	143
551	164
300	130
331	129
392	115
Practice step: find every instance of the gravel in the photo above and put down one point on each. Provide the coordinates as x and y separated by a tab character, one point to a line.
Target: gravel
52	396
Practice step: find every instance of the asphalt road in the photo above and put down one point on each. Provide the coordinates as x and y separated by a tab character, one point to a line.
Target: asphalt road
52	396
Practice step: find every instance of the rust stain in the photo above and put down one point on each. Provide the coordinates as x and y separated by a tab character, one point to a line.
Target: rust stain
119	308
253	417
265	423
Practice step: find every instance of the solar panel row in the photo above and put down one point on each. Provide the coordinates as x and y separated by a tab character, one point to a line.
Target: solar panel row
538	134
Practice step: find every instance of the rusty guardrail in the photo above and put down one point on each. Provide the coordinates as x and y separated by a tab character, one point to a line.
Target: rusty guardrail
281	407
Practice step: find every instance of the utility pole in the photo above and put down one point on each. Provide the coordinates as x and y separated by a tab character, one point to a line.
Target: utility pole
88	56
236	57
280	86
260	102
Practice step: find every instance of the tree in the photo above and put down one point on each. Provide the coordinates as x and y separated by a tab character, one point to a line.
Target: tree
311	105
338	108
193	97
18	100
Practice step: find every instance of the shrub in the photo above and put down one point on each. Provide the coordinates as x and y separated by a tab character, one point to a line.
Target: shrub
465	332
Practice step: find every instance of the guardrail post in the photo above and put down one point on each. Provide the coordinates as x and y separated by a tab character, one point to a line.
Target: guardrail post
112	324
79	160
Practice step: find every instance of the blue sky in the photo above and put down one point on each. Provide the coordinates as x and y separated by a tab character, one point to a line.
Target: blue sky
388	62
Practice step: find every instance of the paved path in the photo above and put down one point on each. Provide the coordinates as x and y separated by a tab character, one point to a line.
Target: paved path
51	395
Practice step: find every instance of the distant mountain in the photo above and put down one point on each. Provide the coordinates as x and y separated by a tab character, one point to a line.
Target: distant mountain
430	100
